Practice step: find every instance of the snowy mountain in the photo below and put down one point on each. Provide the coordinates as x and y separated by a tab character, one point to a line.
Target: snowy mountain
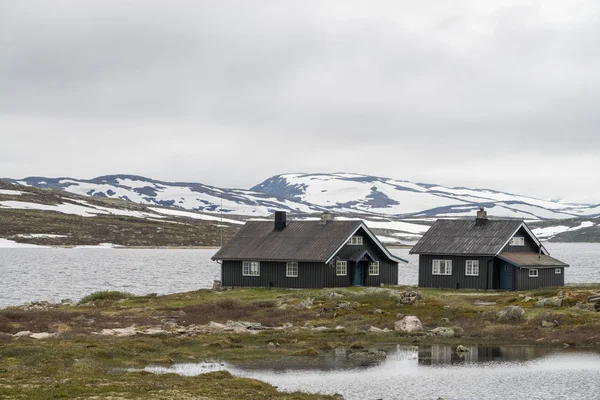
354	193
301	194
188	196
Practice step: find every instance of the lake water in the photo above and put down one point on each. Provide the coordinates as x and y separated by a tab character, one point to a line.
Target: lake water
429	372
33	274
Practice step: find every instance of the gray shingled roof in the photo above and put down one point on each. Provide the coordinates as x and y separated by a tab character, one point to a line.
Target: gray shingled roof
531	260
463	236
299	241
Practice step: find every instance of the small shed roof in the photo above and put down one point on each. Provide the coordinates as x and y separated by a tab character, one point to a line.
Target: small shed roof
531	260
299	241
466	237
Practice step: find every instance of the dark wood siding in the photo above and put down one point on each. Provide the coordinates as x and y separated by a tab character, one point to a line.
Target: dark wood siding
547	277
530	245
272	274
388	270
458	279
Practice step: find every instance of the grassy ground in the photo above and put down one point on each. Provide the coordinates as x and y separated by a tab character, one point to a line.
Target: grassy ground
81	364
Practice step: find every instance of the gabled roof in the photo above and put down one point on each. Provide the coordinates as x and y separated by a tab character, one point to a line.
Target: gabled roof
466	237
299	241
531	260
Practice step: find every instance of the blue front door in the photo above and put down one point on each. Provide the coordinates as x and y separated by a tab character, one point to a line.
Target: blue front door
506	277
359	275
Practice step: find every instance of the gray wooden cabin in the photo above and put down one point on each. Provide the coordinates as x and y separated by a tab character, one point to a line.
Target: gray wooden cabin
306	254
484	253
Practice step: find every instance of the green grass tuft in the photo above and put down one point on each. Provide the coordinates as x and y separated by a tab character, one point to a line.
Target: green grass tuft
105	295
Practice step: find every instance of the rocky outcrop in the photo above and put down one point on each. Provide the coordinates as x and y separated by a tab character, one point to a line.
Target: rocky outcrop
550	301
511	313
549	324
443	332
409	297
409	324
461	349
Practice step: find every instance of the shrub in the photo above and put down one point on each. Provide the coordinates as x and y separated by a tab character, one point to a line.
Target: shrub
105	295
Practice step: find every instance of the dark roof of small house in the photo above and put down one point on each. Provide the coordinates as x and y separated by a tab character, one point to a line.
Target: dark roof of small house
299	241
465	236
531	260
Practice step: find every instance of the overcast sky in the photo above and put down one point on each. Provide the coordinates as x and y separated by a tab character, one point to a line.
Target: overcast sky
494	94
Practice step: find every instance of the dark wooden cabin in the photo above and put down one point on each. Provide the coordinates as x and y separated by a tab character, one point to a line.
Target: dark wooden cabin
484	253
306	254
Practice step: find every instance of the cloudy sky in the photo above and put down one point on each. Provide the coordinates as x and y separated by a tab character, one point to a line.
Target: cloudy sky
495	94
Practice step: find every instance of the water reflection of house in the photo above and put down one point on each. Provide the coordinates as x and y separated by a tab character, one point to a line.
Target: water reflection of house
443	354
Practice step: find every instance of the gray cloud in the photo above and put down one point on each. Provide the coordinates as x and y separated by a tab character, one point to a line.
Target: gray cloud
190	90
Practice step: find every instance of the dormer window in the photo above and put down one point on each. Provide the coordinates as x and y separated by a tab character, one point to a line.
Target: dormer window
355	241
517	241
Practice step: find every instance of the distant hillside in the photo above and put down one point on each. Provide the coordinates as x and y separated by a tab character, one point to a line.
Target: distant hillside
398	211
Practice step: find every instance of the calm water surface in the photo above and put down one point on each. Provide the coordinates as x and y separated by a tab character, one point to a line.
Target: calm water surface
31	274
430	372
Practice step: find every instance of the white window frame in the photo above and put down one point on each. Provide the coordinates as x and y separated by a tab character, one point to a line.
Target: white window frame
517	241
557	271
472	268
355	241
251	268
341	268
374	268
436	267
291	269
535	275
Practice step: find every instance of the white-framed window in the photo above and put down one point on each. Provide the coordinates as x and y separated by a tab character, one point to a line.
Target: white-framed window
442	267
374	268
341	268
291	269
251	268
517	241
355	241
533	273
472	268
557	271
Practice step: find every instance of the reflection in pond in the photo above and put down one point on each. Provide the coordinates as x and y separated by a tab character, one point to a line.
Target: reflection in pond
427	372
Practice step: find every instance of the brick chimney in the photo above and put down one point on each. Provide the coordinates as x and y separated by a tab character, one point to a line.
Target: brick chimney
280	220
325	217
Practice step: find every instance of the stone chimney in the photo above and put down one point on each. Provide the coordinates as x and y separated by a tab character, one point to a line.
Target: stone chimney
326	217
481	217
280	220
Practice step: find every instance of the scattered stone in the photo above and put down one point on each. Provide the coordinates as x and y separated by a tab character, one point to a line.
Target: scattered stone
216	325
43	335
549	324
243	325
378	311
119	332
272	345
443	332
447	307
511	313
399	315
217	285
67	302
339	327
23	334
482	303
528	299
445	320
344	305
409	324
462	349
307	303
375	329
410	297
550	301
154	331
368	355
320	328
334	295
584	307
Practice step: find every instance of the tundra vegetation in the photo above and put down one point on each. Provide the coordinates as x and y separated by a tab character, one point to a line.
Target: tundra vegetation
85	348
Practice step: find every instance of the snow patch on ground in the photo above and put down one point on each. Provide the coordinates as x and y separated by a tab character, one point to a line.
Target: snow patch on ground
193	215
65	208
550	231
10	192
41	235
11	244
99	246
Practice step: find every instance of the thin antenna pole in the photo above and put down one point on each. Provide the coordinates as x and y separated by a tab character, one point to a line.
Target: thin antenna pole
221	224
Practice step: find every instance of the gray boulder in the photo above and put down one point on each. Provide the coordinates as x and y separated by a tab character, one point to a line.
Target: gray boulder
461	349
23	334
409	324
549	324
511	313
